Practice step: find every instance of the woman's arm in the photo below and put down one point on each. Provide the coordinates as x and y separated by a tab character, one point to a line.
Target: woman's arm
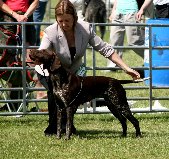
5	8
45	42
9	11
113	10
107	51
143	8
31	8
118	61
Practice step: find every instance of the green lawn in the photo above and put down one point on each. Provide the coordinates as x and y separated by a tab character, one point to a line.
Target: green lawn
98	137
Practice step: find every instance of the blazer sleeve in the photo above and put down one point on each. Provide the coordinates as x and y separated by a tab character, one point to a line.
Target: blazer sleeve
99	45
45	43
49	37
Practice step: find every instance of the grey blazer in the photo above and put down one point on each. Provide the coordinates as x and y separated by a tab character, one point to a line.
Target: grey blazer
54	39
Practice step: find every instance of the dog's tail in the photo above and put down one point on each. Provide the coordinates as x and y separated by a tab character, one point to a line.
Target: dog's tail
133	81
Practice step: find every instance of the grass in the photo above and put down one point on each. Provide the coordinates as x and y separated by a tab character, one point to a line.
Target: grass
98	137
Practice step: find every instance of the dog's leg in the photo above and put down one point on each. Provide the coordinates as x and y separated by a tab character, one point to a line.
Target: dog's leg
116	97
120	100
113	103
120	117
69	112
127	113
59	123
73	129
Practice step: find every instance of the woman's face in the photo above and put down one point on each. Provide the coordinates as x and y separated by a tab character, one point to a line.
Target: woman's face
65	21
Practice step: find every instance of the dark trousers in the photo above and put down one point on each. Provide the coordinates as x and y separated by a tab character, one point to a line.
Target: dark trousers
38	16
162	11
52	107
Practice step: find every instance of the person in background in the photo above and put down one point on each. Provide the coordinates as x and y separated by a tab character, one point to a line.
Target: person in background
161	8
78	6
18	11
124	11
69	39
38	16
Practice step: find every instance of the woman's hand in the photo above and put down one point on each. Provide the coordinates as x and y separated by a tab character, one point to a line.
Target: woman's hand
118	61
139	14
134	74
111	17
20	18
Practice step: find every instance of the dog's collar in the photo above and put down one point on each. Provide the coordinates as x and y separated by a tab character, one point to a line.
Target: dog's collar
39	69
81	86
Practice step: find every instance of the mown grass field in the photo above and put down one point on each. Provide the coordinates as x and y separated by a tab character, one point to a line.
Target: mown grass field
98	137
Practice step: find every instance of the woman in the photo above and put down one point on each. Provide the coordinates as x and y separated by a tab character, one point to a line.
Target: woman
69	38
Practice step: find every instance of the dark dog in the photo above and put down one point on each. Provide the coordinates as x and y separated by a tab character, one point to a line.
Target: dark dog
72	90
94	11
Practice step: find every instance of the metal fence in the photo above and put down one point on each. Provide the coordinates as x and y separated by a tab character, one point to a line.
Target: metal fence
87	108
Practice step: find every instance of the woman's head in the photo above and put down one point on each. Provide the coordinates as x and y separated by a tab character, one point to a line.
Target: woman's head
65	14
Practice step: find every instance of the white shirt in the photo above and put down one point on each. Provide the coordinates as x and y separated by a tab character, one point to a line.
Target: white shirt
160	2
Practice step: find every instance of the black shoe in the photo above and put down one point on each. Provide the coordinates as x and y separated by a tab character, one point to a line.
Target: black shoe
50	130
34	109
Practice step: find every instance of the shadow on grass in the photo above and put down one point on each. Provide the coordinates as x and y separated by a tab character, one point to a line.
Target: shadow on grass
97	134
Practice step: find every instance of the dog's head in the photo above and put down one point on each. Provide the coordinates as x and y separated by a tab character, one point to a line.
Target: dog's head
50	62
48	58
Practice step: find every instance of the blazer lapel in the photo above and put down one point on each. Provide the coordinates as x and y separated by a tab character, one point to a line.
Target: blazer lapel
78	41
64	50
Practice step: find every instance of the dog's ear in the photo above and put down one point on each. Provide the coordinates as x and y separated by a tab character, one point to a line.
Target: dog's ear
33	54
56	63
36	56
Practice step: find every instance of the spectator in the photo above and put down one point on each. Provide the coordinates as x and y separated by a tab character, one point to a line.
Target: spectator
124	11
95	11
69	38
18	11
161	8
38	16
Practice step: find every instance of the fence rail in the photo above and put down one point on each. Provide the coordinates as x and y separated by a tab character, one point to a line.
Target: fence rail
94	68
